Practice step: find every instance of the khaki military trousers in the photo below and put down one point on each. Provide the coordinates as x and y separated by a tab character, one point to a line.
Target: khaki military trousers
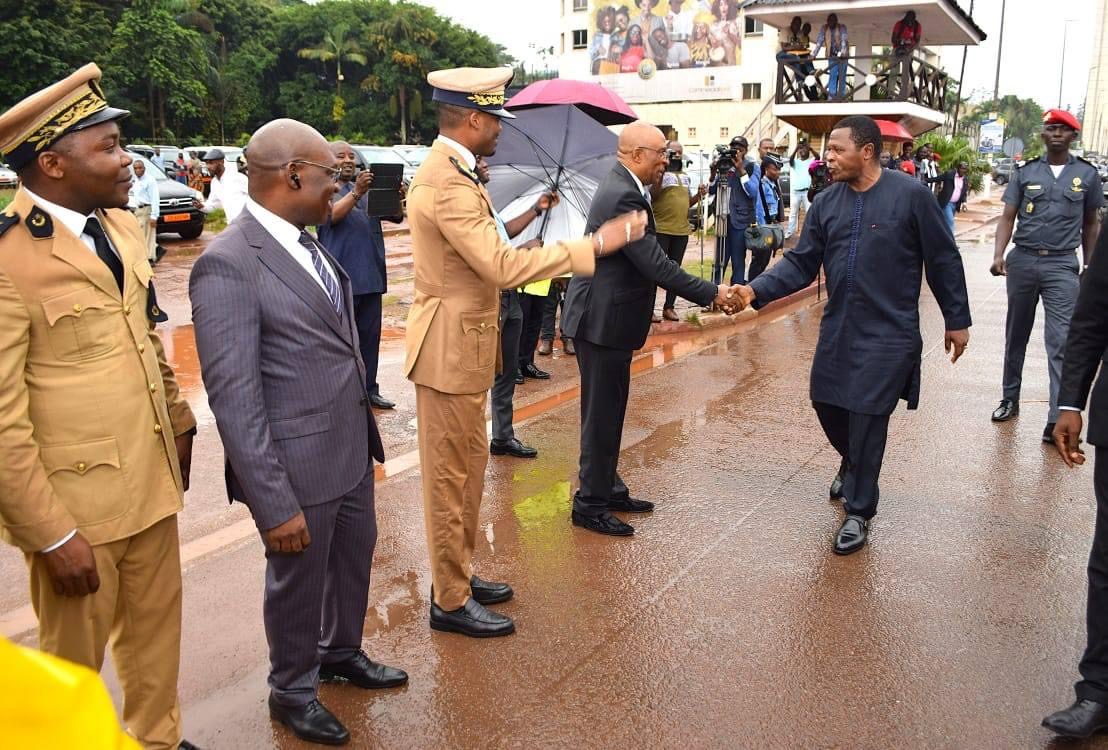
149	233
453	453
137	609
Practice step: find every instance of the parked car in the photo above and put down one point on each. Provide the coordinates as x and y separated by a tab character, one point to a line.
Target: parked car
178	215
8	177
1002	171
384	155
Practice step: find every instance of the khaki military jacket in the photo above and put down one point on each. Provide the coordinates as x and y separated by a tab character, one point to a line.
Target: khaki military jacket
88	404
461	264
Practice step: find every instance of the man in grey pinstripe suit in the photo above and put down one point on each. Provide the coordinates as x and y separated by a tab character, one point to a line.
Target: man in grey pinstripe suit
279	354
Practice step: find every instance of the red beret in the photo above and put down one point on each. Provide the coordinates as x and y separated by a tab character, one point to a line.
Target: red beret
1060	117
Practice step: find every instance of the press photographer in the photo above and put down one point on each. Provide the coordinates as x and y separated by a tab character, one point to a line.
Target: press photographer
672	197
741	176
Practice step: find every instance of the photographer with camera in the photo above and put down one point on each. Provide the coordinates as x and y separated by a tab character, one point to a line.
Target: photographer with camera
672	197
742	178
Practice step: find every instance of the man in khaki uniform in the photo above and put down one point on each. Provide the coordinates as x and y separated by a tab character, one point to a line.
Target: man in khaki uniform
453	340
95	437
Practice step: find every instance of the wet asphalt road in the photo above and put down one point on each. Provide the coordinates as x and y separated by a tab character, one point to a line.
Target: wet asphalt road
726	621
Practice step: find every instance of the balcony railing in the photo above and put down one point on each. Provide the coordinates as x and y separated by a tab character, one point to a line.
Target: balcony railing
890	78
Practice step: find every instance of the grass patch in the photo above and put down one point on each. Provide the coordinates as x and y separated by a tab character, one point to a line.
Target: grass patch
389	299
6	198
698	269
693	317
216	221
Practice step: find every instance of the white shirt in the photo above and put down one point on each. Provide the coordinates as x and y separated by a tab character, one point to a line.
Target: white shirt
229	193
71	220
467	155
288	237
144	191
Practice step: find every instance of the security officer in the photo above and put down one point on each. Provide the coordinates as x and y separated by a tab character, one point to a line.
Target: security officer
1056	197
453	344
95	437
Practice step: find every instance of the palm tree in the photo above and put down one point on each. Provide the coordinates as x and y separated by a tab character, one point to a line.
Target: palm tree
335	46
404	47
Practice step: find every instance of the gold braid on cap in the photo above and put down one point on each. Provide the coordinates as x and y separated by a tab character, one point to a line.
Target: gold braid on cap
48	133
487	100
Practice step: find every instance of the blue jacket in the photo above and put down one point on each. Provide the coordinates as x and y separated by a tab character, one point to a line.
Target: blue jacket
769	211
358	244
743	196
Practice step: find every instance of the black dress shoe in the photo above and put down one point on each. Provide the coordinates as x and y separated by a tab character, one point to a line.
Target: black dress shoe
836	490
489	592
851	536
519	378
530	371
377	401
512	448
628	504
568	348
1007	409
186	745
605	523
472	620
1048	433
1083	719
360	670
311	722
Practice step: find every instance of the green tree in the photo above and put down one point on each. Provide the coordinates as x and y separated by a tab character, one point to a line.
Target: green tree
337	45
404	43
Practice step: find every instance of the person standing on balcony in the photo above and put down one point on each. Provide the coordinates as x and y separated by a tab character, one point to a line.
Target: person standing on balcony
796	52
799	182
1055	197
833	34
906	34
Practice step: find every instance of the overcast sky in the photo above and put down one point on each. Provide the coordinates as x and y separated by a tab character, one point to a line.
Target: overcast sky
1033	41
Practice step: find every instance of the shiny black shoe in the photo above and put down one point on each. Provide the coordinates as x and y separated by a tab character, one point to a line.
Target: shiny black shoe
377	401
836	490
512	448
605	523
851	536
1007	409
1048	433
472	620
186	745
311	722
489	592
530	371
360	670
1083	719
519	378
628	504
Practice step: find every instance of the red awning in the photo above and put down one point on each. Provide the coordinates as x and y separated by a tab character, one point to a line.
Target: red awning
894	131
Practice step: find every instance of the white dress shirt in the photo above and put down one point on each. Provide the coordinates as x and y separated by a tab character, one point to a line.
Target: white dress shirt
228	192
288	237
71	220
467	155
144	191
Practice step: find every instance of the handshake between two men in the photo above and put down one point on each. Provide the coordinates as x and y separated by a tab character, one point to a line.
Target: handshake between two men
734	299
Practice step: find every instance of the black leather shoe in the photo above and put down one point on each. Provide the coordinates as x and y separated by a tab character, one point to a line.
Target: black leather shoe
512	448
186	745
519	378
605	523
489	592
1048	433
530	371
360	670
472	620
311	722
629	504
1007	409
377	401
568	348
851	536
836	490
1083	719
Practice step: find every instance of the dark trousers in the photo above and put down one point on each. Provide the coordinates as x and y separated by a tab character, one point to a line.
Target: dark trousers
605	384
1094	664
367	318
860	440
504	387
532	307
316	600
736	253
1029	277
554	300
674	246
759	259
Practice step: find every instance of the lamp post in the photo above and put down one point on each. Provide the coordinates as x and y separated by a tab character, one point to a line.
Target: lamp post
999	51
1062	74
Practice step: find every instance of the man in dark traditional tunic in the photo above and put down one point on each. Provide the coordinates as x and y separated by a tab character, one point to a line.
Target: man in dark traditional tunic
876	233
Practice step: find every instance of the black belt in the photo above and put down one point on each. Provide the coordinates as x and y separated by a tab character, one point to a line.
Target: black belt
1044	251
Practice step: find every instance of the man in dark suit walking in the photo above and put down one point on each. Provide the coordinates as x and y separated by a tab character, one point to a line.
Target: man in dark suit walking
608	317
876	233
1086	348
274	320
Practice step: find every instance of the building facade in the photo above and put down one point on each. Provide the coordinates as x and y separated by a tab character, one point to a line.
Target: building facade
1094	135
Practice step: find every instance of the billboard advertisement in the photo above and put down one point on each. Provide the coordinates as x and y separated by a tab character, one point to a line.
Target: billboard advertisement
648	38
992	137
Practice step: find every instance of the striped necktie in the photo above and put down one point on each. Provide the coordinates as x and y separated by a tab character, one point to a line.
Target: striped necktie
325	275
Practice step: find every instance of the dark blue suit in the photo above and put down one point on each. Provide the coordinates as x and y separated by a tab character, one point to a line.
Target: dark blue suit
741	214
358	244
876	248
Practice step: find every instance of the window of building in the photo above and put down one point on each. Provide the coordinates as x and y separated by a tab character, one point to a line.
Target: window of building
580	5
753	27
692	133
725	132
752	91
563	40
580	39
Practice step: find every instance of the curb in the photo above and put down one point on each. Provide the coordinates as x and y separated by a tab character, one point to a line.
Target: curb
718	320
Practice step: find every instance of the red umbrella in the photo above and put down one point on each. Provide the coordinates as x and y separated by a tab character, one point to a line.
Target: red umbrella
591	98
894	131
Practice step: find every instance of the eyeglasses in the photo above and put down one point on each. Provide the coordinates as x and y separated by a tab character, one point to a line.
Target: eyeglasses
332	172
659	152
